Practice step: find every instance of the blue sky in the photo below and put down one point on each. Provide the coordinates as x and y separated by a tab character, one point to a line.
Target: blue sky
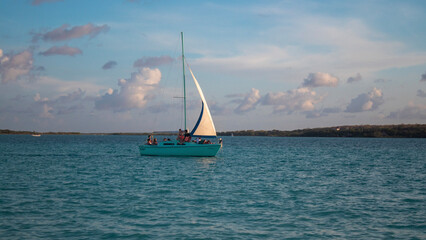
113	66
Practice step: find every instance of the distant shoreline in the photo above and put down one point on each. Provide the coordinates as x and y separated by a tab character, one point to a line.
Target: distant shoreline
371	131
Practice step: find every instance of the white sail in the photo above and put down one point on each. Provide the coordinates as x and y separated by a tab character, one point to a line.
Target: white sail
204	126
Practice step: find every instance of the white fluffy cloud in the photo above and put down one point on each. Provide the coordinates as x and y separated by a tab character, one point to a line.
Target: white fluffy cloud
320	79
366	102
15	65
249	102
133	93
300	99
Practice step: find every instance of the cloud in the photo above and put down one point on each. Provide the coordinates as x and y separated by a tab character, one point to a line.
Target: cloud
70	103
133	93
332	110
248	58
236	95
355	46
64	104
412	111
381	80
249	102
13	66
218	109
366	102
310	44
421	93
160	107
152	62
71	97
47	97
423	79
38	2
53	86
321	113
40	68
63	33
357	78
37	98
47	111
300	99
64	50
109	65
320	79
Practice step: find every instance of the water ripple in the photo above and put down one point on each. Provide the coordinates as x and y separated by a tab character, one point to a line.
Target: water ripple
86	187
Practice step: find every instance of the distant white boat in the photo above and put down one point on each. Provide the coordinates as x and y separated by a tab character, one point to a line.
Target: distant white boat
36	135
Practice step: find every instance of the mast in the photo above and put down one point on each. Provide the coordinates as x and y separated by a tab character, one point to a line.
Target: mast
184	87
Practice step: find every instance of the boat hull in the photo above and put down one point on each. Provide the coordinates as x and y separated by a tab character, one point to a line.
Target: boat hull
189	149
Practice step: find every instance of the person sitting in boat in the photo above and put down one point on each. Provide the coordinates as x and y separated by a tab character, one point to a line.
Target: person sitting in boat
180	135
187	136
155	142
149	140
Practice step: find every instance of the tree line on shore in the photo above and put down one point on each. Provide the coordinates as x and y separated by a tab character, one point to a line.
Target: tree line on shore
372	131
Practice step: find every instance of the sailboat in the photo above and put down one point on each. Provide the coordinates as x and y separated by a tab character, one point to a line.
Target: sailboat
204	128
35	134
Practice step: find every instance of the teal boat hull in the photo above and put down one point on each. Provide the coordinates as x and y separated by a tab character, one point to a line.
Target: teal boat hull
171	148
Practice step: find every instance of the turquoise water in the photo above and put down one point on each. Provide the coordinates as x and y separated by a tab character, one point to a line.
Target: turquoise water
99	187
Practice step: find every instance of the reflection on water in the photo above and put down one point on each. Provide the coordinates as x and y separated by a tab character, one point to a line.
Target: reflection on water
207	162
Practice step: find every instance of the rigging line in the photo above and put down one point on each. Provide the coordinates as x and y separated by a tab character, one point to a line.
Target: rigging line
164	92
176	106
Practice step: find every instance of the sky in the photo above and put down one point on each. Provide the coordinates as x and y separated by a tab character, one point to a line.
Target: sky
115	65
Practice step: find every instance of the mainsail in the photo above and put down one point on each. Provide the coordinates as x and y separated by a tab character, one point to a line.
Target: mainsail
204	126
